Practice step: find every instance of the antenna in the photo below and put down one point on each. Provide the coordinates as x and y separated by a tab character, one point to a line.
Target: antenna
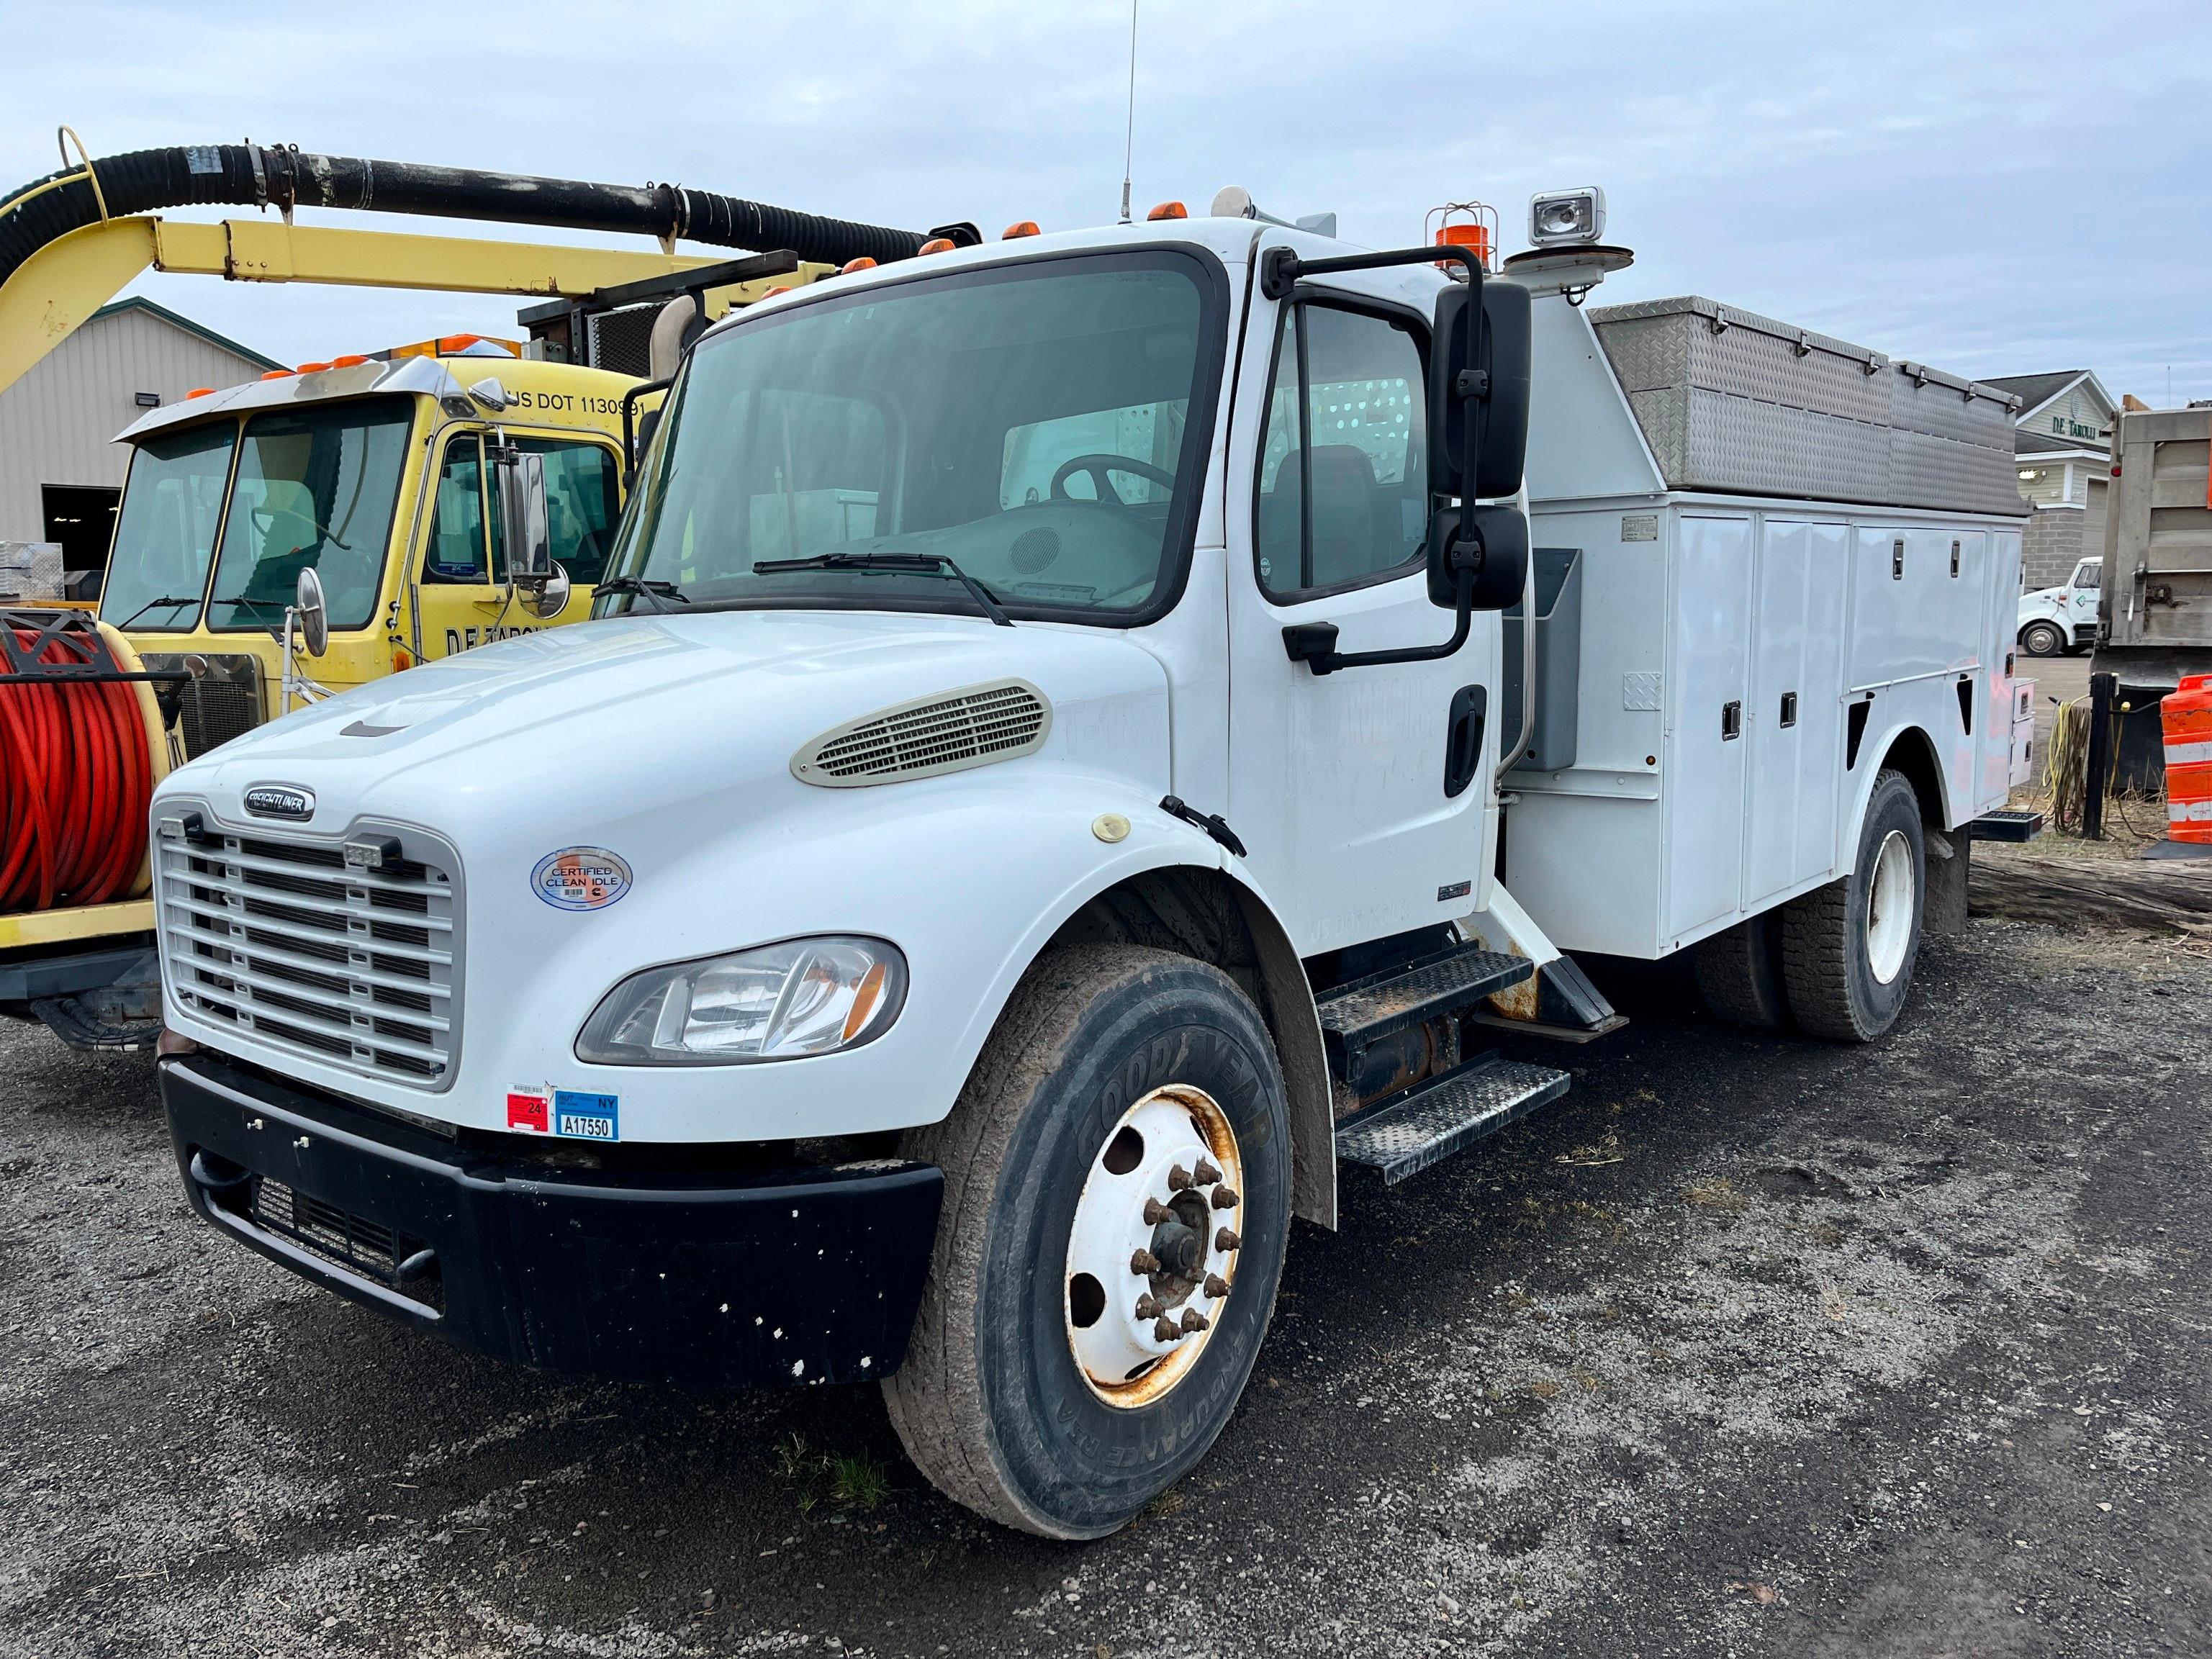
1129	131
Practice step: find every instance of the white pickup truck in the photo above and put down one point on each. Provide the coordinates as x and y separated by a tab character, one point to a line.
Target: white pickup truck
1035	804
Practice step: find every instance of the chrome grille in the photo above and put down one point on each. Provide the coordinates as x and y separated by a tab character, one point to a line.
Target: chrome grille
281	940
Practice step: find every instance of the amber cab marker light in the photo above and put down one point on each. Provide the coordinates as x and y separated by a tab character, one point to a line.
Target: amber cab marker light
351	360
311	368
1169	210
863	263
938	245
1021	228
455	343
201	392
279	374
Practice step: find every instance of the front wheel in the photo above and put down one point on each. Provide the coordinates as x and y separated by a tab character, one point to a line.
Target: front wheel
1849	948
1117	1184
2044	638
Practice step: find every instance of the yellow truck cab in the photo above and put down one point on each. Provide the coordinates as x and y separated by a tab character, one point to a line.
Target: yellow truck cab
372	472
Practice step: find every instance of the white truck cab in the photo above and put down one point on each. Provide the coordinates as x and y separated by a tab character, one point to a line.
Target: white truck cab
2063	619
1029	809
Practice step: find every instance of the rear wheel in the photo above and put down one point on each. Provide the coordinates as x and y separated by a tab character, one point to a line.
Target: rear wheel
2044	638
1117	1178
1849	948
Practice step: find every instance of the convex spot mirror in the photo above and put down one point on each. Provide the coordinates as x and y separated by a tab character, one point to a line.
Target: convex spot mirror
1479	390
1496	538
548	596
314	613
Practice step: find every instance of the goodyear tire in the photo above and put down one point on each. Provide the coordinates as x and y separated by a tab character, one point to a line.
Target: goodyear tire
1849	948
2044	638
995	1403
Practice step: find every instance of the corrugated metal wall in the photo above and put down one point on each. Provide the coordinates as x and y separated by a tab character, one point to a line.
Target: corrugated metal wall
59	422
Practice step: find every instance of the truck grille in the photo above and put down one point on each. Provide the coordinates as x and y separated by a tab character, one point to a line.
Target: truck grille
354	1241
222	701
282	940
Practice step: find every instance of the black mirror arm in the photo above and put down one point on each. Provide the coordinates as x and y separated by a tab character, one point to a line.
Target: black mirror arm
1314	643
1280	268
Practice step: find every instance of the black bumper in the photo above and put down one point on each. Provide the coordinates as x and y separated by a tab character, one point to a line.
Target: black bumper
785	1278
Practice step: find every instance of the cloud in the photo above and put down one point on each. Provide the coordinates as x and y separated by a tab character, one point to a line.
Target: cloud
1995	190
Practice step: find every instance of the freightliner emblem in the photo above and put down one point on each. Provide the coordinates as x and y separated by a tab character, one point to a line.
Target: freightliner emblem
280	800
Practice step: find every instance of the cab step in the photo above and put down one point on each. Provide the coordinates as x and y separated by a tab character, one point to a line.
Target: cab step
1433	1120
1363	1011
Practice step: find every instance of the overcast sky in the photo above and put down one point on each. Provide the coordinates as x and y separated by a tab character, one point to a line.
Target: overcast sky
1993	188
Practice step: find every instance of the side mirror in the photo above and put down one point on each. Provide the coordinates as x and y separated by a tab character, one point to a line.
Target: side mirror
548	596
314	613
647	424
1479	390
1492	541
525	525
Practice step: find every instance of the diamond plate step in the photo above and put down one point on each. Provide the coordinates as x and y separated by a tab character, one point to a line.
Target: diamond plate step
1357	1013
1433	1120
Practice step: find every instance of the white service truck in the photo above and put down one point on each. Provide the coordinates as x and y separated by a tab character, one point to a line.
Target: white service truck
2052	620
1085	738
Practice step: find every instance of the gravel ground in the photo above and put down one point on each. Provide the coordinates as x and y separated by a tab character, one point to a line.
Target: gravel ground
1745	1347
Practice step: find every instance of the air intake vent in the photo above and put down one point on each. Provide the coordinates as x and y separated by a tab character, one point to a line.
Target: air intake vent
950	734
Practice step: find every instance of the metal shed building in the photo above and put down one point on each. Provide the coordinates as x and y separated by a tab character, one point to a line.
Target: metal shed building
61	470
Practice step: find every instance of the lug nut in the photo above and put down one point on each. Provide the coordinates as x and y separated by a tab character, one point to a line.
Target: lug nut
1224	1199
1166	1330
1193	1321
1144	1263
1216	1286
1207	1174
1148	1307
1226	1240
1178	1179
1156	1212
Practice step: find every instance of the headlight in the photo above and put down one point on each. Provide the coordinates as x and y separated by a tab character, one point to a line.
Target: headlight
804	996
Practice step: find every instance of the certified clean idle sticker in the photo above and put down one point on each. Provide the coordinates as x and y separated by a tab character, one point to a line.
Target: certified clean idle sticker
580	878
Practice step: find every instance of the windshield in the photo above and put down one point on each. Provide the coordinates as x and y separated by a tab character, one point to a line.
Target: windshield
316	489
165	532
1033	422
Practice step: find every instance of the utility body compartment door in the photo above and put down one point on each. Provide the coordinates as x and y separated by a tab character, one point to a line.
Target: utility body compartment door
1342	785
1795	720
1708	768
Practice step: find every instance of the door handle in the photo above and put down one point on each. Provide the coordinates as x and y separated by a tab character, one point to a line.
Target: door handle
1463	739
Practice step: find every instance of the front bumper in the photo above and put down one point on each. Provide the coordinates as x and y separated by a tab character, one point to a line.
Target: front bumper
783	1278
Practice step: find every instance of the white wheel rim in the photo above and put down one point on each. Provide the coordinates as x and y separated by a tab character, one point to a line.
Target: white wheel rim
1118	1315
1889	908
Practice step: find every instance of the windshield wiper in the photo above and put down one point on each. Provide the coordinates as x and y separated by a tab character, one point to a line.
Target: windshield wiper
658	592
254	605
934	564
149	605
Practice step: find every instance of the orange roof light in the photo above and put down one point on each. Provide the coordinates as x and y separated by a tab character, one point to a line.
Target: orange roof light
1021	228
938	245
201	392
351	360
863	263
279	374
310	368
1169	210
457	342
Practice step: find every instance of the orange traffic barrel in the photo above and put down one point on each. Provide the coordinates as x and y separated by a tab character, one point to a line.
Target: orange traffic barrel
2187	716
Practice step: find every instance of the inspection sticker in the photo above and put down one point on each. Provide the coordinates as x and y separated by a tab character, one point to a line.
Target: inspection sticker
530	1110
580	878
586	1117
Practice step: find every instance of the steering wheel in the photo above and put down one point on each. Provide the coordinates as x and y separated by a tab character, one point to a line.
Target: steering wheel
1098	466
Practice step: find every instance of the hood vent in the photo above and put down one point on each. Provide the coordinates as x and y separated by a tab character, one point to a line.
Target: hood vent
951	733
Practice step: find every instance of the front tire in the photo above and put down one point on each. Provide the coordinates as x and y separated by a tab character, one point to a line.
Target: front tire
1849	948
1013	1399
2044	638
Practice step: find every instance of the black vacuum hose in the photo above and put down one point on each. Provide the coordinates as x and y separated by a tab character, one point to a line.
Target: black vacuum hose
258	175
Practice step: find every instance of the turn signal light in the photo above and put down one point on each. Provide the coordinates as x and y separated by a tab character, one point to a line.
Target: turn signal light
1021	228
863	263
938	245
1169	210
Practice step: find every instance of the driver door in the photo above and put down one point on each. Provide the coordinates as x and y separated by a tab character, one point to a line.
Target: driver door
1364	795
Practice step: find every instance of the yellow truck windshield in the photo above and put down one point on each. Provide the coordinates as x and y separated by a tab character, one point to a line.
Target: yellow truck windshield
165	533
316	490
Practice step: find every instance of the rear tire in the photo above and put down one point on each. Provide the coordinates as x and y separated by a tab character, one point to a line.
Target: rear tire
1739	973
1849	948
993	1402
2044	638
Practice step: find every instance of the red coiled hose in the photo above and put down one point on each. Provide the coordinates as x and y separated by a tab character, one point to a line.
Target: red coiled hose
75	781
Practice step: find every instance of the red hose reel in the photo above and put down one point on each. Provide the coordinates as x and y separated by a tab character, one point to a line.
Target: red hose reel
76	771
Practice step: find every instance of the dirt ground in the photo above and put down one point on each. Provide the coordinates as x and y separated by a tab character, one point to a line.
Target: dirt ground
1745	1347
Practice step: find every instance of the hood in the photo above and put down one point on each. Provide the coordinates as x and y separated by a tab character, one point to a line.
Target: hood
617	719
